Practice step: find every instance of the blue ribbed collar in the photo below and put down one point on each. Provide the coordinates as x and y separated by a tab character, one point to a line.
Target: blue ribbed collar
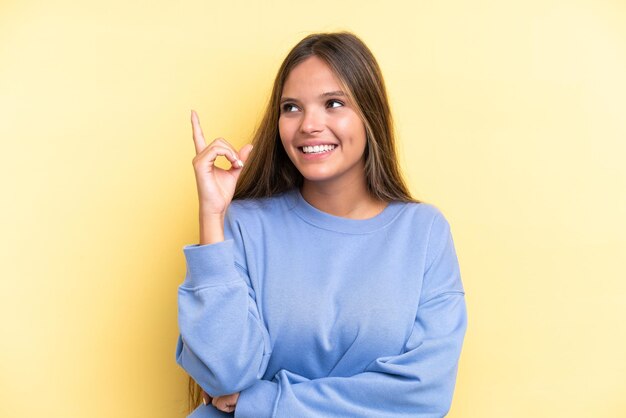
320	219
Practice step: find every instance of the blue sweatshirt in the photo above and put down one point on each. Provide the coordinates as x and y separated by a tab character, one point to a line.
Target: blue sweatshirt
313	315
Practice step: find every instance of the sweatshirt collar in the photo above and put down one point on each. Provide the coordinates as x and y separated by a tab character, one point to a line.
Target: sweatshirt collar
320	219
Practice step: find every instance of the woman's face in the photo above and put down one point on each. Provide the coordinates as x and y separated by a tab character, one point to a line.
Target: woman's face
319	129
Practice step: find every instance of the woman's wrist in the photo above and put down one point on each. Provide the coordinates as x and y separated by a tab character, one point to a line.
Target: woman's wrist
211	228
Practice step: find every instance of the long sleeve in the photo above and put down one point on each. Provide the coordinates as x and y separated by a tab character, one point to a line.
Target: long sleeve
419	382
223	344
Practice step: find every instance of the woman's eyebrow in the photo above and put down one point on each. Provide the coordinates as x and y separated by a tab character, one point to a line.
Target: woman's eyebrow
329	93
333	93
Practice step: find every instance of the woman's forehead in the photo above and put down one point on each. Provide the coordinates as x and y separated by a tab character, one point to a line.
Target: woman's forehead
311	77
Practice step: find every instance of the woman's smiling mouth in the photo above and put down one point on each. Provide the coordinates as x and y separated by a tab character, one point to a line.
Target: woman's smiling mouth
317	149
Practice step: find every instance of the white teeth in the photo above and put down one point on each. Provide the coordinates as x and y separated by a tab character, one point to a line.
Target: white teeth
318	149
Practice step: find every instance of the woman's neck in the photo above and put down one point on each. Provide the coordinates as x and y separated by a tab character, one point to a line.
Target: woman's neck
351	201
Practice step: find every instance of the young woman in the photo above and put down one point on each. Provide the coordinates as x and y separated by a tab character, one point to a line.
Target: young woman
319	288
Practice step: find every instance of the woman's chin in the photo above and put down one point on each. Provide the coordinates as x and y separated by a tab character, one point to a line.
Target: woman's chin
317	177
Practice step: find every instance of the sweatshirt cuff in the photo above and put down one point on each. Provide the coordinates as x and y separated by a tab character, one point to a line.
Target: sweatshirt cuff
210	264
257	400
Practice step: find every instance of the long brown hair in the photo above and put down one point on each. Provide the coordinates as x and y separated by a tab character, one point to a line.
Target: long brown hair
269	171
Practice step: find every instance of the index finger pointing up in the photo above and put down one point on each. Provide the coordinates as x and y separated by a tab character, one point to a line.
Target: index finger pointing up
198	136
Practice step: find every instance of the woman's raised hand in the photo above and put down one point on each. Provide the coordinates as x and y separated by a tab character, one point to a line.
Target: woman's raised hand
216	186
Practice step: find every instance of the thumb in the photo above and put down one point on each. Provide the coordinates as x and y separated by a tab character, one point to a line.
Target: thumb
244	153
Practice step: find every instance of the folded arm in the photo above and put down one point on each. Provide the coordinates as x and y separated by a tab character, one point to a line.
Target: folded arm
418	383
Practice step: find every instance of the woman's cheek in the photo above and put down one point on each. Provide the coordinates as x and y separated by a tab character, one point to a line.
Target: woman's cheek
285	129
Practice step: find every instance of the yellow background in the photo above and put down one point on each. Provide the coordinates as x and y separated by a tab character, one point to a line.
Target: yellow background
512	120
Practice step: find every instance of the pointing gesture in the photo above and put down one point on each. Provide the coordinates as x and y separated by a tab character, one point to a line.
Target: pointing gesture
216	186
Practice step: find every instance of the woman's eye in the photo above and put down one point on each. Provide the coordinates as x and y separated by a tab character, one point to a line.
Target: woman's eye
332	103
288	107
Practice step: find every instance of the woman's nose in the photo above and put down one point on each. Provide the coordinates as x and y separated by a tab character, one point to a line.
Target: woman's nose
312	121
